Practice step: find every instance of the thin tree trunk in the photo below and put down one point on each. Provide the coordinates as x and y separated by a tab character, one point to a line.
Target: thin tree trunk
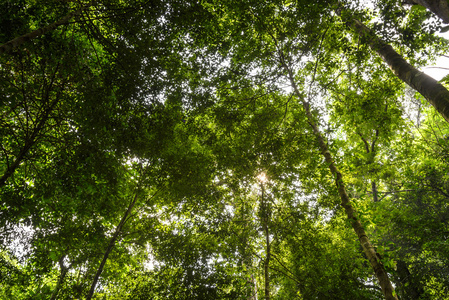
432	90
19	158
110	247
411	288
267	265
368	249
374	189
247	261
9	46
31	140
369	150
265	217
64	271
254	289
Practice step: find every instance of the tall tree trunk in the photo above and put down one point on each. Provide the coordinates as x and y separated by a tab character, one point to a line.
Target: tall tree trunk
438	7
411	288
432	90
265	218
374	190
371	150
368	249
61	278
254	288
110	247
9	46
267	265
247	262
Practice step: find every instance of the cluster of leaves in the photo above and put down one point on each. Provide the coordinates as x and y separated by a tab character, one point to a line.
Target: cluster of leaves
158	149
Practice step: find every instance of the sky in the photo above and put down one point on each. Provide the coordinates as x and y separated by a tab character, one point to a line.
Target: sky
436	73
441	62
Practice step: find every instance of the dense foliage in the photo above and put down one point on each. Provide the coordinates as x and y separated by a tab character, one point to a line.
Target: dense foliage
222	149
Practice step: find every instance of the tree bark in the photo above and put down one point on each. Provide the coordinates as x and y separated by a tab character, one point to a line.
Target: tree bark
368	248
432	90
265	218
110	247
9	46
438	7
267	265
411	288
374	190
61	278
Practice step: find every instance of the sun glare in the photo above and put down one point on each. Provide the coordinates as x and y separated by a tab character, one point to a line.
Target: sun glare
262	177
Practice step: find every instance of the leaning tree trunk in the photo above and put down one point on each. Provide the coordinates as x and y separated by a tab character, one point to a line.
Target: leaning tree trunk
368	248
111	245
64	271
438	7
432	90
31	140
9	46
29	143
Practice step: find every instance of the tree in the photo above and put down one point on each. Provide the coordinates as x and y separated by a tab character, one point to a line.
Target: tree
438	7
10	45
432	90
133	136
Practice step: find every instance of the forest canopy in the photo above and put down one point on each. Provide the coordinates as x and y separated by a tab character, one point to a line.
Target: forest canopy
223	149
